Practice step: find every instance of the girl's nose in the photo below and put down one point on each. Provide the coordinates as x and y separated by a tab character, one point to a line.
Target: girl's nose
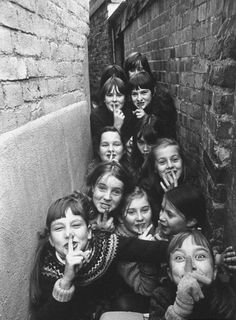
169	163
162	216
145	147
139	96
139	216
114	97
189	264
107	195
110	147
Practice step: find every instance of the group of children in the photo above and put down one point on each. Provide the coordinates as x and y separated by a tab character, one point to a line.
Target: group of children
134	241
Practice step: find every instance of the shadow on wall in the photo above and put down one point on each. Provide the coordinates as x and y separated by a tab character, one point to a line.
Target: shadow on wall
39	162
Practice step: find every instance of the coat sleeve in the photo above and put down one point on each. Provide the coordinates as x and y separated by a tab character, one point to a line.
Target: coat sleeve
160	301
142	277
48	307
133	249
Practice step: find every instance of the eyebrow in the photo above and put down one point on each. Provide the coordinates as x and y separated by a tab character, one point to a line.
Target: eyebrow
199	248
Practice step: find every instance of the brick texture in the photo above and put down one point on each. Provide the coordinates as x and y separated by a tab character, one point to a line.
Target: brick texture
191	47
43	48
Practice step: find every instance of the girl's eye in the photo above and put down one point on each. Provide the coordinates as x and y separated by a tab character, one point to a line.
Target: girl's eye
145	209
104	145
109	94
201	256
161	162
131	212
117	192
179	258
134	94
58	228
117	144
76	225
141	142
101	187
175	159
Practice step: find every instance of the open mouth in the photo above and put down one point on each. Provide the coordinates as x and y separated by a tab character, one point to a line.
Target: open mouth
140	227
105	206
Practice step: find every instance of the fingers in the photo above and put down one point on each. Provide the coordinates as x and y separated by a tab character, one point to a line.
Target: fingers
201	278
145	233
70	243
188	265
163	187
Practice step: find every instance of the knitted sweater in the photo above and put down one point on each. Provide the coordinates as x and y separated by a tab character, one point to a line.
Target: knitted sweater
95	282
142	277
218	303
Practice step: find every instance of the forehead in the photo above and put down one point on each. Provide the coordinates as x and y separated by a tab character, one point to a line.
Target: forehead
166	151
139	201
110	135
189	245
110	180
69	216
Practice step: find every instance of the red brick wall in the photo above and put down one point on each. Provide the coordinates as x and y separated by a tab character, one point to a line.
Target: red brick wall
191	46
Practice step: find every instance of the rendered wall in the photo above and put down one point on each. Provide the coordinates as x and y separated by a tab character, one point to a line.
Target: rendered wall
39	162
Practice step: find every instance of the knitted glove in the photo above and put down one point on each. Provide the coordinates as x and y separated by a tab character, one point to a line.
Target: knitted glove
188	292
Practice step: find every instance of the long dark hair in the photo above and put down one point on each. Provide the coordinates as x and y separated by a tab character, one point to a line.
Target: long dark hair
191	203
114	169
79	205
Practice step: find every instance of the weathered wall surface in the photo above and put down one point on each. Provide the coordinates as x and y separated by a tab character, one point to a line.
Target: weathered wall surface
40	162
44	128
43	46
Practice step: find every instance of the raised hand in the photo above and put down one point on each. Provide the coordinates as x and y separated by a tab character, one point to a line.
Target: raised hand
169	181
140	113
229	258
145	235
104	223
74	261
119	118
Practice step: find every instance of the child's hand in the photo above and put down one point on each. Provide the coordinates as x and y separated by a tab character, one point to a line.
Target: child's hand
145	235
74	261
169	181
119	118
105	224
140	113
229	258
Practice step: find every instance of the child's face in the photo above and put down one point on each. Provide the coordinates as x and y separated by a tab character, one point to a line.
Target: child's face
200	260
111	147
141	97
167	160
107	193
63	227
172	221
143	147
114	99
138	215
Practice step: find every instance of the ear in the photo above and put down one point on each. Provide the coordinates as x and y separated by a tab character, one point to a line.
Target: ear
191	222
215	271
50	241
169	273
89	232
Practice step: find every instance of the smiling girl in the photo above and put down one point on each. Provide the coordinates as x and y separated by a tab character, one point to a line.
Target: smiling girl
112	110
107	186
73	272
165	169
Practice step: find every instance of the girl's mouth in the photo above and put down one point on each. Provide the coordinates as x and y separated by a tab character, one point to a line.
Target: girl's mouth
105	206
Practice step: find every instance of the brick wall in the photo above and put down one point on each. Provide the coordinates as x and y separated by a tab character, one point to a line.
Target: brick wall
43	53
99	44
191	46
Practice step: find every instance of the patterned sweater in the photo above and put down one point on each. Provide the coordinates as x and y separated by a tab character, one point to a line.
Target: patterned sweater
96	282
